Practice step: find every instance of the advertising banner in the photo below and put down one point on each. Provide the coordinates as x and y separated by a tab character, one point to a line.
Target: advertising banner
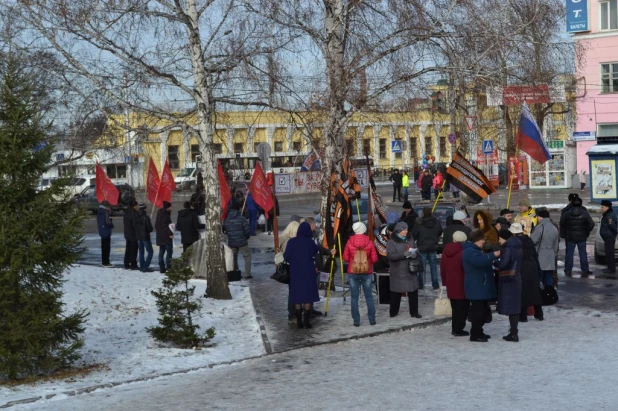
576	16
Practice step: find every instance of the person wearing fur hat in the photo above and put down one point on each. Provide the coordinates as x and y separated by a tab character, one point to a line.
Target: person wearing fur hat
360	254
479	283
528	214
452	272
608	233
458	224
165	236
483	221
509	279
401	279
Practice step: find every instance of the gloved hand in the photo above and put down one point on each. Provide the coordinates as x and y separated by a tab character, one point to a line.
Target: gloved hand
407	253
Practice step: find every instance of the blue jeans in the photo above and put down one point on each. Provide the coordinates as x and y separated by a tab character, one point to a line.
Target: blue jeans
141	245
429	258
547	277
405	192
570	251
356	280
163	250
253	216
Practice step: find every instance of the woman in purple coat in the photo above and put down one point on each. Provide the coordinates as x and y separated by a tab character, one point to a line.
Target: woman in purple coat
299	253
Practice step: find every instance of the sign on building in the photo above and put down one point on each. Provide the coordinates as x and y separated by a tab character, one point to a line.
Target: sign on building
584	136
396	146
488	146
577	16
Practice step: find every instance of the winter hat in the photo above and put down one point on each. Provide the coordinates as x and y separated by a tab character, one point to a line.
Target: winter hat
391	227
407	205
573	196
542	212
524	202
476	235
142	206
516	228
400	227
459	216
359	228
505	234
577	202
605	203
501	220
392	217
460	237
505	211
166	204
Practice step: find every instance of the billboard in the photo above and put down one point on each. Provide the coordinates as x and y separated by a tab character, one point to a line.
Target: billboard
576	16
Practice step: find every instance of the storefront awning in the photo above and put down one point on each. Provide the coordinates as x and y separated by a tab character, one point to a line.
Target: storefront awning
603	149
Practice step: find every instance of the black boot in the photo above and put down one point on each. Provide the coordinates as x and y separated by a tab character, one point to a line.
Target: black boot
513	337
307	317
299	318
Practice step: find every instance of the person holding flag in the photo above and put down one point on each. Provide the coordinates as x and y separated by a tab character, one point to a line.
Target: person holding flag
107	195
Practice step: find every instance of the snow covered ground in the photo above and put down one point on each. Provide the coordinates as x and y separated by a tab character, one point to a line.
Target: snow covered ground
567	362
121	307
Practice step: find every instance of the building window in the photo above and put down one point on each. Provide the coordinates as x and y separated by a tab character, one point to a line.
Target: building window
296	146
239	147
442	146
412	149
609	78
607	130
278	146
349	147
218	148
195	152
64	171
428	145
172	157
382	148
367	146
116	171
399	156
609	15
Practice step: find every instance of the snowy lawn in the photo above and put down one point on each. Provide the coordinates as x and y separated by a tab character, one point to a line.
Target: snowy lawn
121	307
567	362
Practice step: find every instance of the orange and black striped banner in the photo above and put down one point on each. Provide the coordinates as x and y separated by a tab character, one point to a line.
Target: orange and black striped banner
469	179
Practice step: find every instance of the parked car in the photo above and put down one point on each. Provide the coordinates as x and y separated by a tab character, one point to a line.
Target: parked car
45	183
599	247
88	198
79	183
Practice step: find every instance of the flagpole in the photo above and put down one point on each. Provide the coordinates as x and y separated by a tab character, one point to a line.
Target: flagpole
508	199
439	196
341	265
358	211
275	222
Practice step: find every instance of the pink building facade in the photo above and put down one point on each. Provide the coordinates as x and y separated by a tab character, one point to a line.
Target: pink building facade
597	72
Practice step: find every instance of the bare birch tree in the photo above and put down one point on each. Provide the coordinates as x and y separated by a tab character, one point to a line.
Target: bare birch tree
144	54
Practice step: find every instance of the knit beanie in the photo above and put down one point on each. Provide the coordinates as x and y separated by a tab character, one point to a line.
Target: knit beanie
400	227
460	237
359	228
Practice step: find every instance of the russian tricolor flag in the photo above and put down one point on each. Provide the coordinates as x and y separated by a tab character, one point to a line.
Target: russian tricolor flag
529	137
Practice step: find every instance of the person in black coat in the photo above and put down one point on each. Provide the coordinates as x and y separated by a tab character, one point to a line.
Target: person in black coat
130	250
427	235
608	231
188	224
165	236
426	184
409	217
509	280
530	277
237	229
458	224
576	226
396	178
143	228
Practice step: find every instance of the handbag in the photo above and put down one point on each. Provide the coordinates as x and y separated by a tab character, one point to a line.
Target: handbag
415	265
442	306
282	273
549	295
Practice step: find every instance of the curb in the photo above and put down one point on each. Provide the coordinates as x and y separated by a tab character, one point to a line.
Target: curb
87	390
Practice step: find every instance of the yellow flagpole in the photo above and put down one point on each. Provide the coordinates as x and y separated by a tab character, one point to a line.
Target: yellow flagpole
330	281
341	262
435	203
358	209
508	199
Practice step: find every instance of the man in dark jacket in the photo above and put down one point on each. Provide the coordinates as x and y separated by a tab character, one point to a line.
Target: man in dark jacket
575	226
130	250
143	228
608	231
427	234
458	224
426	184
105	226
396	178
237	229
188	224
409	217
165	236
508	216
572	196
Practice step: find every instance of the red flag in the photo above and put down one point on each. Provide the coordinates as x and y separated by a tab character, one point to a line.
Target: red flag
153	182
260	190
226	194
105	189
166	187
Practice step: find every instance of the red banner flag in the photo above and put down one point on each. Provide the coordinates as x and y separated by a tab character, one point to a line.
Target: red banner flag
153	182
105	189
260	190
166	187
226	194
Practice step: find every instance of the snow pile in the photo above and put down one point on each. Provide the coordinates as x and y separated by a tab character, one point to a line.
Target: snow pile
121	307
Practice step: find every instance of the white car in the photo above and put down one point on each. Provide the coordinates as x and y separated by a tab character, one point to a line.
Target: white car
599	247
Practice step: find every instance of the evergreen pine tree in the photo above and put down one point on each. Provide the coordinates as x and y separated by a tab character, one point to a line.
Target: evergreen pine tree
39	237
177	307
